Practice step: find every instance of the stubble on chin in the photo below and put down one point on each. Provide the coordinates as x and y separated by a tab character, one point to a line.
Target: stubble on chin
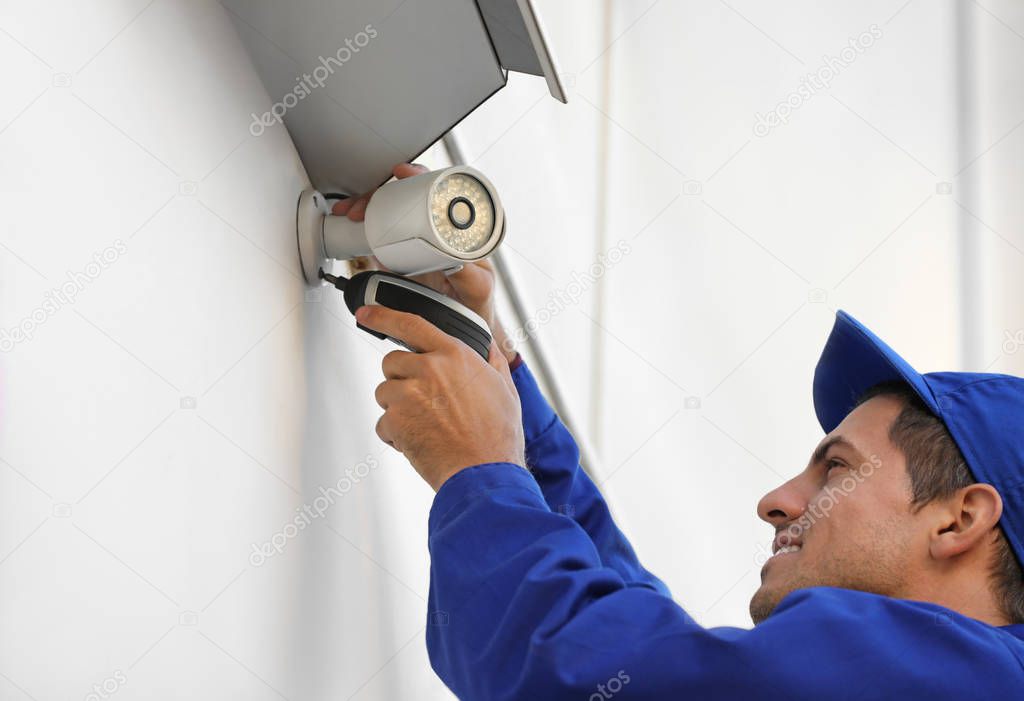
765	601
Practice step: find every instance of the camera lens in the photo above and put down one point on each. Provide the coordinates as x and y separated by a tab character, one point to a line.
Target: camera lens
462	212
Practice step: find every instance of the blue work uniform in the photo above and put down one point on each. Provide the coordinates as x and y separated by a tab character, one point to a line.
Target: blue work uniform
535	594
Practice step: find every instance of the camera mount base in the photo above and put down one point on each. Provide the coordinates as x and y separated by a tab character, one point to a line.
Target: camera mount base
309	230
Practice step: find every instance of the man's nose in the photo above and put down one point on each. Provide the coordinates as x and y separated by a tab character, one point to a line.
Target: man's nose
783	504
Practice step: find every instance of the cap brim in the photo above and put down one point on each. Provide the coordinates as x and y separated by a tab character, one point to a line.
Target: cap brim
853	361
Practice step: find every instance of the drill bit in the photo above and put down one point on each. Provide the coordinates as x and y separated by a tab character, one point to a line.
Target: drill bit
338	282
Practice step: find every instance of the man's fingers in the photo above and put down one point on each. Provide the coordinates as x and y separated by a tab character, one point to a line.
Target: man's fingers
399	365
388	392
358	211
409	170
414	331
384	431
352	207
355	207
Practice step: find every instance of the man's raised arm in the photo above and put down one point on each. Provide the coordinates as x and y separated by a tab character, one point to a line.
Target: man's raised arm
553	457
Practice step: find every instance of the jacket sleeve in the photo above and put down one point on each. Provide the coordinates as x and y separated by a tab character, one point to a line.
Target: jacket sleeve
522	607
554	459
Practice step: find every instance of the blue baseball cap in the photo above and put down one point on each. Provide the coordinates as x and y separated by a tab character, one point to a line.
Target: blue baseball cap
984	412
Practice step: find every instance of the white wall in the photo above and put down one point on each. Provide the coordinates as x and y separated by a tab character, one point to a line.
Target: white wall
128	520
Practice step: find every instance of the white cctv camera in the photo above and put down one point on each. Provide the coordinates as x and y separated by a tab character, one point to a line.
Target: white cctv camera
434	221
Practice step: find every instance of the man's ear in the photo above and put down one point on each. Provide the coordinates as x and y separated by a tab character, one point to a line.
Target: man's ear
965	520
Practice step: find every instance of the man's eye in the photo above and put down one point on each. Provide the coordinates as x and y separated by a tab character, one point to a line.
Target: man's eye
832	464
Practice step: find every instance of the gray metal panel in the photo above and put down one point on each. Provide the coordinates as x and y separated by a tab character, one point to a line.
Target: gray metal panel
540	44
519	39
428	65
510	36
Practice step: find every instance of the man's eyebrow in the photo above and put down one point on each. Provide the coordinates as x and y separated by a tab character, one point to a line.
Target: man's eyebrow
834	441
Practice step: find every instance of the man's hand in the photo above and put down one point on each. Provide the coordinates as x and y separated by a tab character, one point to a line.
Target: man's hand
473	285
445	408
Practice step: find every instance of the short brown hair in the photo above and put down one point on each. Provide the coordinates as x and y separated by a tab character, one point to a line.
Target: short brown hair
937	469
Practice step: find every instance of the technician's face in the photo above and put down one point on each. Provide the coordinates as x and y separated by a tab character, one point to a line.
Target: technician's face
845	520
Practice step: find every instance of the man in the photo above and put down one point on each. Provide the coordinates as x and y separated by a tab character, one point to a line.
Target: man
897	568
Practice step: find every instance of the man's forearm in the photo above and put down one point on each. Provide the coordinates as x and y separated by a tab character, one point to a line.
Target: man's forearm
552	455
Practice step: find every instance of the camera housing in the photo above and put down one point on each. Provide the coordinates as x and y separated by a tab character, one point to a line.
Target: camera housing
435	221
